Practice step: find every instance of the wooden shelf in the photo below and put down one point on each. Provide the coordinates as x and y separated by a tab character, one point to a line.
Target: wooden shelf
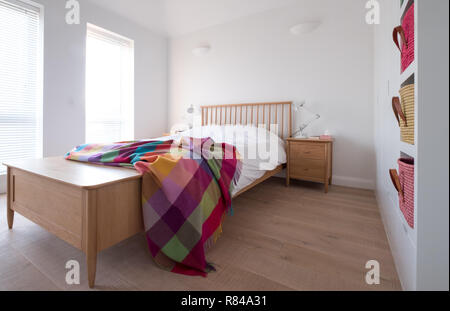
403	8
411	70
408	149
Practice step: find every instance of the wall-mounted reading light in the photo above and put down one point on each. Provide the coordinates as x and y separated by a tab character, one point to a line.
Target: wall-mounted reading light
305	28
201	50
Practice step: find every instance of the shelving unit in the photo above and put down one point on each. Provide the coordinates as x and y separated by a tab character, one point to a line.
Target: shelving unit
408	150
421	262
409	76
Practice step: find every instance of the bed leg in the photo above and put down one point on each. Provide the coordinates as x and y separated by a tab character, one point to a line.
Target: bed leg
90	234
10	218
9	200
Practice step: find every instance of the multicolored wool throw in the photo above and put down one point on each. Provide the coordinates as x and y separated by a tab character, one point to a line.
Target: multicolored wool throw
186	193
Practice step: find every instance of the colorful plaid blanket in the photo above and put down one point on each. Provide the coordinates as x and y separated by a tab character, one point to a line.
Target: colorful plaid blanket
186	193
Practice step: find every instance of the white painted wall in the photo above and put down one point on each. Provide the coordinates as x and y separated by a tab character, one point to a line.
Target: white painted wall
64	75
256	59
433	148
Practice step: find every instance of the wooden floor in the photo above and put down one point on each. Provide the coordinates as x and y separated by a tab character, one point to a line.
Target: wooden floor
280	238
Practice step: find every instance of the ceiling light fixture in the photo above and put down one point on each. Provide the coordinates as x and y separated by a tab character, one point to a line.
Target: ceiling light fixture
305	28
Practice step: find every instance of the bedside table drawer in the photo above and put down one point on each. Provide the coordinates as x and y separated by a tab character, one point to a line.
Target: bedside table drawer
307	168
308	151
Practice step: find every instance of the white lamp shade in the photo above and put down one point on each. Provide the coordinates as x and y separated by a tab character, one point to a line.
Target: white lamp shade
201	50
304	28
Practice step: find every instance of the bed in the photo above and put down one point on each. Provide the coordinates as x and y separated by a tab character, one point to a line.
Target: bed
95	207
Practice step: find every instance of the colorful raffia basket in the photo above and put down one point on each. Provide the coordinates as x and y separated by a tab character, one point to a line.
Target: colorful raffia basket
404	110
407	33
404	183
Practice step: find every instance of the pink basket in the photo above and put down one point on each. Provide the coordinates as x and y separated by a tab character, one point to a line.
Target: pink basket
406	32
404	183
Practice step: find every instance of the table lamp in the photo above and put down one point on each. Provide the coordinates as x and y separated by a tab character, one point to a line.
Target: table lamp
301	110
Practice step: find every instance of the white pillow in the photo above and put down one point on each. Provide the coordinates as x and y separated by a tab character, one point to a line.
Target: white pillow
260	148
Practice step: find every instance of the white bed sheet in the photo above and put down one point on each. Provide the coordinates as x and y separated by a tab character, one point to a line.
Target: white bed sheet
255	164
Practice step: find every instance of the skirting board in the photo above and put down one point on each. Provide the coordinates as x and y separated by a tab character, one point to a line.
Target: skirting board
351	182
2	184
354	182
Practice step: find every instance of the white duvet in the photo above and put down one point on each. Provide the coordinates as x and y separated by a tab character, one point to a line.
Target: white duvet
260	149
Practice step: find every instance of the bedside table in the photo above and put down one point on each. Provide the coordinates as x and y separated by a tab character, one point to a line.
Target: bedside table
311	160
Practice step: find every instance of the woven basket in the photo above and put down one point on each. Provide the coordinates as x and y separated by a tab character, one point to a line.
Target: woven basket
404	183
404	111
407	34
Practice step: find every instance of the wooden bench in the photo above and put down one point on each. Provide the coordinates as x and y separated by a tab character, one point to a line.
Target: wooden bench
91	207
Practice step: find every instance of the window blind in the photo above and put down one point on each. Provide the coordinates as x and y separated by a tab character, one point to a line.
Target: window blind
109	87
20	82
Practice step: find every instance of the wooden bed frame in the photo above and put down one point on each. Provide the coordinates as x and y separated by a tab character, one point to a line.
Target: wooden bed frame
95	207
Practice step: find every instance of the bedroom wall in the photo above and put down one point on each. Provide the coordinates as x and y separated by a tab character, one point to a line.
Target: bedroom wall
64	75
256	59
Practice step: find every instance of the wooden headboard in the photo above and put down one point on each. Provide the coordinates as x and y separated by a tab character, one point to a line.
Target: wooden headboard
275	116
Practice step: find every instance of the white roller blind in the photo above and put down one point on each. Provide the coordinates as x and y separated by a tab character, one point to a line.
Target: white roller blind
20	82
109	87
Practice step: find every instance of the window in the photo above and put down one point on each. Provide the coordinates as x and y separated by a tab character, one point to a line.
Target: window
20	81
109	87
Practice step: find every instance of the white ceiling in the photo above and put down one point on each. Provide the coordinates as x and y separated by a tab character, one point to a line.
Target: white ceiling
178	17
